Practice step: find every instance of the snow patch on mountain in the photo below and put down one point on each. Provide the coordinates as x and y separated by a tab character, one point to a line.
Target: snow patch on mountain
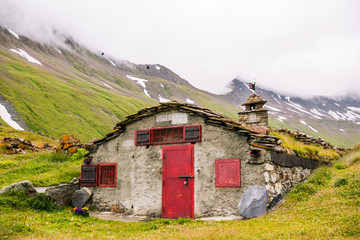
58	50
294	111
303	122
351	115
354	109
342	130
296	106
281	118
317	112
106	84
141	82
162	85
5	115
275	99
112	62
13	33
334	115
157	67
188	100
348	115
161	99
272	108
337	104
26	55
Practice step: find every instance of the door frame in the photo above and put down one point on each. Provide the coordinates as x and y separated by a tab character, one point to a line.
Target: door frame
192	180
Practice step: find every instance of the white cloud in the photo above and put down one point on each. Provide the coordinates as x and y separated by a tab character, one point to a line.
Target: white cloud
299	47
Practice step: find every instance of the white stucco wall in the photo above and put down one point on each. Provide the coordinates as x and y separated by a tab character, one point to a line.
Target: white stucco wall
139	179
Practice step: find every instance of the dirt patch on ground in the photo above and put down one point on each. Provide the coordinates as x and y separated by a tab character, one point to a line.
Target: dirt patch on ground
131	218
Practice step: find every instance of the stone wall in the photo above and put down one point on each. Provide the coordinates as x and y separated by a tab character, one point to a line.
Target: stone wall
261	117
279	180
307	139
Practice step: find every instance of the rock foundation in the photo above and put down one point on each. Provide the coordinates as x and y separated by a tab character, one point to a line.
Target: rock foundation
279	180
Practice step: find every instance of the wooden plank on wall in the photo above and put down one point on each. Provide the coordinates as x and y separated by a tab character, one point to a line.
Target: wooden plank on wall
286	160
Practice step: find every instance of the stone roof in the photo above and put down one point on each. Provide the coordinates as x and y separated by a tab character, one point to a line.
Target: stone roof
210	117
254	98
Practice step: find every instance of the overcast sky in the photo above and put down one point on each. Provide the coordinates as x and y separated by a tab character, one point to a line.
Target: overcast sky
300	47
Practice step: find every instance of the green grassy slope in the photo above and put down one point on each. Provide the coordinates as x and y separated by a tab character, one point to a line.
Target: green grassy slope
63	98
327	206
58	105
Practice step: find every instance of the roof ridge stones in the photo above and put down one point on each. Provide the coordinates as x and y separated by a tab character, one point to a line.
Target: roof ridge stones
211	118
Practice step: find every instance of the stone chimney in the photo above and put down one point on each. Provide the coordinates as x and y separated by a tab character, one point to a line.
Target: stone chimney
254	114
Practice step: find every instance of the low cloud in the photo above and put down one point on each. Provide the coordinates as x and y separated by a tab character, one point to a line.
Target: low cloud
296	47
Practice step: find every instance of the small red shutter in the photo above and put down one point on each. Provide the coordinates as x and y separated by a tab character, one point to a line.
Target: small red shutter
227	173
107	174
89	175
142	137
192	133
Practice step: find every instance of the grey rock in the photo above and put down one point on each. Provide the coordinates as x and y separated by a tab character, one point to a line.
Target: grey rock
80	197
24	186
268	167
62	194
253	202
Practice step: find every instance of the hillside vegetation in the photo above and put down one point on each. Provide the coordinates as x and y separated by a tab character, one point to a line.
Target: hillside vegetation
57	105
36	139
79	101
327	206
306	150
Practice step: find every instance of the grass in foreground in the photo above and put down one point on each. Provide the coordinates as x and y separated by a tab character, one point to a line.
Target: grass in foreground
325	207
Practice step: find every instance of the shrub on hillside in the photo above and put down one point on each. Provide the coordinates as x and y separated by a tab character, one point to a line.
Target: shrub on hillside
20	200
321	176
43	202
79	155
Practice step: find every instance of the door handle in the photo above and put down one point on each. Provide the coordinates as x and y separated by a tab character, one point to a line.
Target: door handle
186	179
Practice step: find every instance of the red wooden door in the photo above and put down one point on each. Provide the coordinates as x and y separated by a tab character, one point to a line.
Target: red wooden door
178	181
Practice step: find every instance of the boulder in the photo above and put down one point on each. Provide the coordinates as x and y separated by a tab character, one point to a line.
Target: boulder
24	186
253	202
62	194
68	144
17	145
91	147
80	197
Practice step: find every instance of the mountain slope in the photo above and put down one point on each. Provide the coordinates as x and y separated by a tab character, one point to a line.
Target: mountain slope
66	88
335	119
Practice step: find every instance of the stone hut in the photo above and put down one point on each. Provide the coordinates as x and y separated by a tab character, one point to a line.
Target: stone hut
181	160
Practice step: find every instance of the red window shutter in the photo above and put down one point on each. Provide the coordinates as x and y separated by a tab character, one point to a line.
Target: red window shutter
167	135
142	137
192	133
89	175
107	174
227	173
